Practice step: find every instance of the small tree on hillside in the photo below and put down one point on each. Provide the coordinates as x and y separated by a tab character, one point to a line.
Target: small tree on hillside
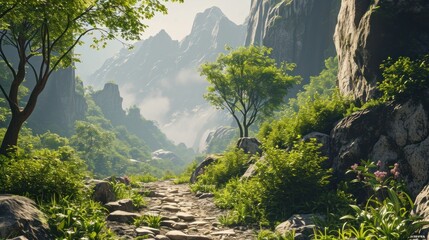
248	83
47	31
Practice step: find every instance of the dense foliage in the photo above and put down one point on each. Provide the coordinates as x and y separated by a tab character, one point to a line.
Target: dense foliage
248	83
316	109
404	78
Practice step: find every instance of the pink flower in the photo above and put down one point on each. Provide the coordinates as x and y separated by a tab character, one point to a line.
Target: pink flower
379	176
395	170
379	164
354	166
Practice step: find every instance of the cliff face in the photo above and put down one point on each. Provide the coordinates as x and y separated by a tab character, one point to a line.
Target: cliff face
59	105
369	31
110	102
299	31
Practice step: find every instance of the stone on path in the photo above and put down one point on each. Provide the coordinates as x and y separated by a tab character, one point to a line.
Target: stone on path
228	232
153	230
179	226
123	205
198	237
199	223
161	237
185	216
206	195
144	232
176	235
170	208
122	216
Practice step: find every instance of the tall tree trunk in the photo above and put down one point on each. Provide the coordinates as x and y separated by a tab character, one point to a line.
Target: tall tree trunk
10	139
246	131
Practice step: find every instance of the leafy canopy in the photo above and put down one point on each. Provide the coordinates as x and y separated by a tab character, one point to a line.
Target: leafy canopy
248	83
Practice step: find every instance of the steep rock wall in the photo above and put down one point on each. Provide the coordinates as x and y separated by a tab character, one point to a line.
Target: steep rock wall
299	31
59	105
369	31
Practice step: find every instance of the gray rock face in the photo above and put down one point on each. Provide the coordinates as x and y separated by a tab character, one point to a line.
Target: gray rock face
19	216
103	192
370	31
299	31
110	102
59	105
250	145
321	138
200	168
218	140
302	224
396	133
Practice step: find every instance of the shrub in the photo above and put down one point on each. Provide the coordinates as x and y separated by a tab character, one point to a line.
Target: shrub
404	77
385	215
43	174
286	182
77	219
317	115
231	165
153	221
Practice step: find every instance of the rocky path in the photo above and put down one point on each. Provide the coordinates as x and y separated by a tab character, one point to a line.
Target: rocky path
184	216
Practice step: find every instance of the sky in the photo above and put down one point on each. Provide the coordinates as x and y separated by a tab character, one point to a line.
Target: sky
177	23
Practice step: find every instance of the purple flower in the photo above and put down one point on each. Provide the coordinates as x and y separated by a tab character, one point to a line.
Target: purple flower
379	176
354	166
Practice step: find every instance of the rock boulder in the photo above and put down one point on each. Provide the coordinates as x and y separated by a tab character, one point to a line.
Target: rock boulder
393	133
200	168
19	216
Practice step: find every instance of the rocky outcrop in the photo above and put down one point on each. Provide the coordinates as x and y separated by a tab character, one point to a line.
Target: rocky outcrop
19	216
394	133
110	102
103	192
302	224
165	155
201	167
369	32
218	140
249	145
299	31
59	105
322	139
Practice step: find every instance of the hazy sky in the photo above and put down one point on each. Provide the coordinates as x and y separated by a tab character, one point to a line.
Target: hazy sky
178	23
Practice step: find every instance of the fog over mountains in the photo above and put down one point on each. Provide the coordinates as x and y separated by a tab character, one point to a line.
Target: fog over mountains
160	75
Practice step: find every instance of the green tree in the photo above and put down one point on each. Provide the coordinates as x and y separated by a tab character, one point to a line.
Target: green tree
248	83
43	33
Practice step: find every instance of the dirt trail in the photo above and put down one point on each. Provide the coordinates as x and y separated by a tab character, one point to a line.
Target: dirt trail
185	216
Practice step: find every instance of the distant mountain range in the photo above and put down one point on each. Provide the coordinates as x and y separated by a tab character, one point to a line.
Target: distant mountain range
160	75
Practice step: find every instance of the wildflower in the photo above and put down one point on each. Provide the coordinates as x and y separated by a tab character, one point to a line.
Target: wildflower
354	166
395	170
379	176
379	163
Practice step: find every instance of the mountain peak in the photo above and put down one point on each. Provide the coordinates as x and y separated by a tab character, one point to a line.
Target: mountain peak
209	17
162	34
